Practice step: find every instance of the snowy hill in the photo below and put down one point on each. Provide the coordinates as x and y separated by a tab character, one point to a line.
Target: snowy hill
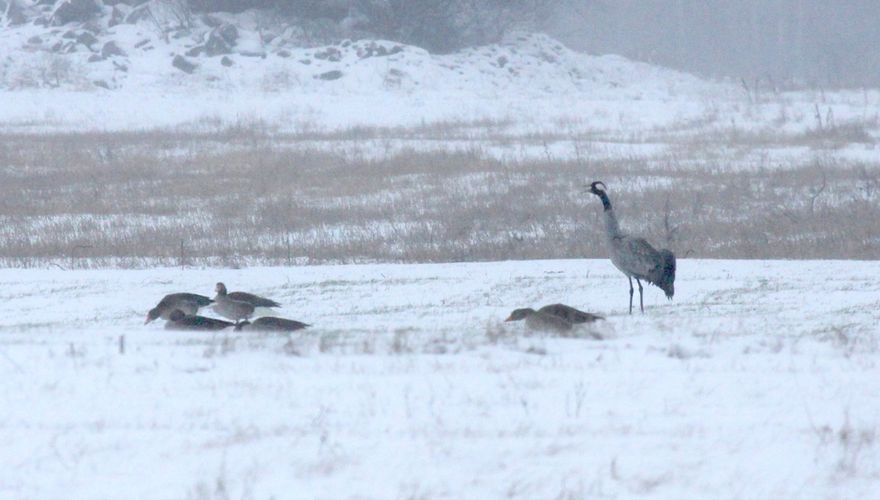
135	49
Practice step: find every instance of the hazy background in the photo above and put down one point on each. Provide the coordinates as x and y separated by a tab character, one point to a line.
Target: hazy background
784	43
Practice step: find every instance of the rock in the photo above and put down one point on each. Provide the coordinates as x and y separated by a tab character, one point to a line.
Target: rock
330	75
137	14
142	43
69	11
35	40
305	61
221	40
195	51
183	64
331	54
86	39
95	58
211	21
283	53
120	67
111	49
117	16
102	84
14	13
227	61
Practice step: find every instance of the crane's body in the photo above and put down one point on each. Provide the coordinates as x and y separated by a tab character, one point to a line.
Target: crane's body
635	257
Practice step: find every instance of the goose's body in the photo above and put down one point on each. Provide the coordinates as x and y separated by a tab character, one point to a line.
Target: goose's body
188	303
554	318
177	320
249	298
272	324
228	307
635	257
570	314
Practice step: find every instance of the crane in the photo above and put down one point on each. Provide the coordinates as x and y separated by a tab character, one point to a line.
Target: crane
635	257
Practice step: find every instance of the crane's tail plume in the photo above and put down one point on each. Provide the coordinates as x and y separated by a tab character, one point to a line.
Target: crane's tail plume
666	278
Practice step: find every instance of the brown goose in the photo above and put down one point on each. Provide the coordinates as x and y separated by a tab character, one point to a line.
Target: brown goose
189	303
271	324
540	321
226	306
570	314
553	318
177	320
254	300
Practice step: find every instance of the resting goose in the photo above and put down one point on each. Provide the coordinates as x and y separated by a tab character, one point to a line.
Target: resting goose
188	303
555	318
271	324
177	320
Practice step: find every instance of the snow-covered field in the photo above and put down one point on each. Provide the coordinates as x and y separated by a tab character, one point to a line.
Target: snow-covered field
760	380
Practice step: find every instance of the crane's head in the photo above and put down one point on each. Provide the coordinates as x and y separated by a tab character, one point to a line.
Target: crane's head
598	188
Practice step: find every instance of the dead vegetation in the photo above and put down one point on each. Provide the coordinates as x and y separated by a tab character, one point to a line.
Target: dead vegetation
244	194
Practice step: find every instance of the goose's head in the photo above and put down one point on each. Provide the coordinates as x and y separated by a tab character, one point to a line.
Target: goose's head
598	188
519	314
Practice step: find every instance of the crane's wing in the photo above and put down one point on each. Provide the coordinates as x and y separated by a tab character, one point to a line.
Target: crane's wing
655	267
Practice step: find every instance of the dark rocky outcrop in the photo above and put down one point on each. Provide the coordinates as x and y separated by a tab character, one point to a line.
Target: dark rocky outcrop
221	40
183	64
111	49
330	75
227	61
70	11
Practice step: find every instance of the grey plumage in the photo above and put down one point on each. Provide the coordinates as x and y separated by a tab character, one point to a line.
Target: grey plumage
177	320
554	318
635	257
570	314
228	307
188	303
254	300
272	324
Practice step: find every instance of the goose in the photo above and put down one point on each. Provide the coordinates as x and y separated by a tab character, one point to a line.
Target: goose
553	318
226	306
177	320
254	300
188	303
273	324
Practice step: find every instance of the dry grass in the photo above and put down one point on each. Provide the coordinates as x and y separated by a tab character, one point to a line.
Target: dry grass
242	195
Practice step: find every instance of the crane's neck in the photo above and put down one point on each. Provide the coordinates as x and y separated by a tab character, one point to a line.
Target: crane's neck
612	229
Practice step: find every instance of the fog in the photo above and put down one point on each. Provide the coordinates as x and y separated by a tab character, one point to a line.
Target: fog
782	42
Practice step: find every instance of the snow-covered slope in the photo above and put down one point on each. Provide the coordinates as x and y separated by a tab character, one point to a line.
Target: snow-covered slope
242	51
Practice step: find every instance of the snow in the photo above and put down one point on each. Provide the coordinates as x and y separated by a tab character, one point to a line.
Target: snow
759	380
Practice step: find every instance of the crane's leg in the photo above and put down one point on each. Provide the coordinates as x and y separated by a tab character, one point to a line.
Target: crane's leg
641	301
630	294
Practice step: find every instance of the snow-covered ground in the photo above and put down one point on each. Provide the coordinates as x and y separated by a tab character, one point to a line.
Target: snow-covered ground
760	380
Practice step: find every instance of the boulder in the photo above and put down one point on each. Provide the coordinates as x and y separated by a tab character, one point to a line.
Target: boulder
226	61
117	15
13	12
330	75
221	40
111	49
86	39
137	14
183	64
70	11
